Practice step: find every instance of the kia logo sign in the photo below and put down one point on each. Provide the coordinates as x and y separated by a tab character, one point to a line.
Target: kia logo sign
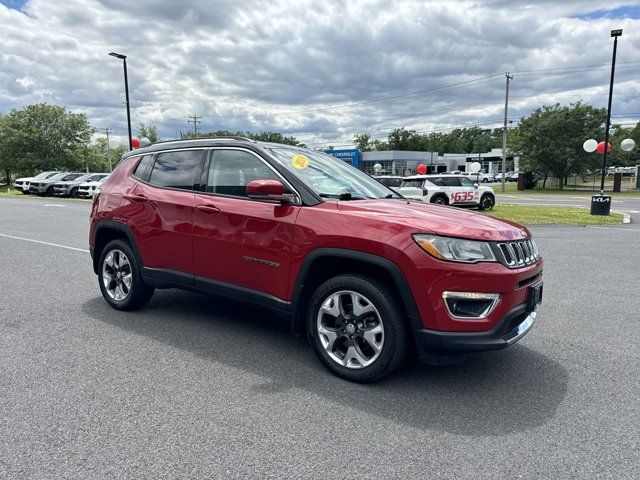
602	199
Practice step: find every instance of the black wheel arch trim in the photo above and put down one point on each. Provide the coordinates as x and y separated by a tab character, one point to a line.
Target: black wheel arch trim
120	227
401	283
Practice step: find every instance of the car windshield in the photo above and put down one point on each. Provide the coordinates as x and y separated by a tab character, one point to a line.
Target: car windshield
71	176
330	177
43	175
58	176
95	178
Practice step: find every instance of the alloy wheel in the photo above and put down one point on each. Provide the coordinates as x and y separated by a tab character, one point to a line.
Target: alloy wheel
350	329
117	275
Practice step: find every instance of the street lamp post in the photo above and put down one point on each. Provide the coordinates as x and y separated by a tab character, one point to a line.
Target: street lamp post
126	93
601	204
615	34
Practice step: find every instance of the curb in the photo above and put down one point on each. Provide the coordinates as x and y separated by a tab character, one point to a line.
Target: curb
626	218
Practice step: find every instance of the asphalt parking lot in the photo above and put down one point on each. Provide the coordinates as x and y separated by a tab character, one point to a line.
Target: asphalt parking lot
194	386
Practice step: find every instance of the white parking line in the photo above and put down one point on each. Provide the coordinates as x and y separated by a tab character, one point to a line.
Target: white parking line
44	243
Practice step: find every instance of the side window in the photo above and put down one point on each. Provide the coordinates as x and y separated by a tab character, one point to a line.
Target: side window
438	181
466	182
176	169
412	183
142	167
451	181
232	170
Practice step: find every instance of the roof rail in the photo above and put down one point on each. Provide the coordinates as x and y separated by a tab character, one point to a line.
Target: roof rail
175	140
233	137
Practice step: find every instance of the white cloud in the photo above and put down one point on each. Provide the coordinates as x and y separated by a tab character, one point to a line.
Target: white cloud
286	66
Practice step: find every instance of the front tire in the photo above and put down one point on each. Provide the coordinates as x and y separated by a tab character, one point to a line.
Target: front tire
120	277
356	327
487	202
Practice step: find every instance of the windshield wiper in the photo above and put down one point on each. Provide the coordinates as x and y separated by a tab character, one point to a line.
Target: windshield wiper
341	196
394	195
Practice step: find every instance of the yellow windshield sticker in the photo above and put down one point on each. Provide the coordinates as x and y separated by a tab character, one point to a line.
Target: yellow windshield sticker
300	161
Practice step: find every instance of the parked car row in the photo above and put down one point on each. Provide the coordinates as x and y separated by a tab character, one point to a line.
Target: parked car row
61	184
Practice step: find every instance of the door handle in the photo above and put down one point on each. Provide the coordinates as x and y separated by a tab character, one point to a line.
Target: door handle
208	209
136	198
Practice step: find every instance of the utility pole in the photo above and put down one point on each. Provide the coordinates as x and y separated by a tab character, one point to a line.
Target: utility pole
107	131
195	119
504	131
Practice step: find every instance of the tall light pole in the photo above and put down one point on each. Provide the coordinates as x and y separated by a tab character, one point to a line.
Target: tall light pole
126	93
615	34
601	204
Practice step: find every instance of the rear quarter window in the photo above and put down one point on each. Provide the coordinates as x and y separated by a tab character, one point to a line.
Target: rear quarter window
142	167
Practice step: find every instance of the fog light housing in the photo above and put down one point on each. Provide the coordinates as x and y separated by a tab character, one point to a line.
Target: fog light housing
470	305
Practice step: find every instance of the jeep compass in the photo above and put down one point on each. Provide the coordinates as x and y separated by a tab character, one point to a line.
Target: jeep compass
368	275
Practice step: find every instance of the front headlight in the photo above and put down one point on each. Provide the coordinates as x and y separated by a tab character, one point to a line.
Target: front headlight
455	249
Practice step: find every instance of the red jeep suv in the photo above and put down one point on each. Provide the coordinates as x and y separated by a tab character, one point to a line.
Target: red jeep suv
369	275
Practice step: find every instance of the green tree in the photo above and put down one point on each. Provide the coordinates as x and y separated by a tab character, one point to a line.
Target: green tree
550	140
42	137
401	139
148	131
362	141
618	156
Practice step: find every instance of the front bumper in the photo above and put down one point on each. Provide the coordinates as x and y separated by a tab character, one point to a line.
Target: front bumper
513	326
60	191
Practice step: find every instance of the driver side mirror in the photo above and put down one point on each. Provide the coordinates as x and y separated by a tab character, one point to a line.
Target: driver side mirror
269	190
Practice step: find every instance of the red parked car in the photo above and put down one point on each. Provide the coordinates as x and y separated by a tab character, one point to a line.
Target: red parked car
368	275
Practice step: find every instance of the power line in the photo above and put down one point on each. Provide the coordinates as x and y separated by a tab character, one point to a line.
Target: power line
195	120
573	67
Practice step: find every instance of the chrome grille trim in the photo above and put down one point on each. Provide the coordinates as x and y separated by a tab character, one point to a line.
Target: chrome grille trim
517	254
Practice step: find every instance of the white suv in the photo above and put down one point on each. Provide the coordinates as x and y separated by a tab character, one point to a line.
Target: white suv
443	189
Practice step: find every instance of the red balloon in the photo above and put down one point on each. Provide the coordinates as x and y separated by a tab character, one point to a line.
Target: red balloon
600	148
422	169
135	143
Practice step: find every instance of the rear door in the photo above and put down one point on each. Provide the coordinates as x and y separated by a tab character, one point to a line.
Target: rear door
462	190
239	241
159	208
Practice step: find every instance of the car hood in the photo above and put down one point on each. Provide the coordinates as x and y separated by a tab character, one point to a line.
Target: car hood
89	184
23	179
436	219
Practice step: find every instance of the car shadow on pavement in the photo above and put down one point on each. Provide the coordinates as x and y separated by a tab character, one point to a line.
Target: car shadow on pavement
491	394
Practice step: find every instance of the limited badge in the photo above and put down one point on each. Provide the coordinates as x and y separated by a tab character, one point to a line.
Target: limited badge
300	161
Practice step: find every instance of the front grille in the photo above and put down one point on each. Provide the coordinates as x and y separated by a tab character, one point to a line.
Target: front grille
529	280
519	254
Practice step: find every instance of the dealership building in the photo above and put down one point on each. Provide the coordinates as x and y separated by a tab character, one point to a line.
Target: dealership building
401	162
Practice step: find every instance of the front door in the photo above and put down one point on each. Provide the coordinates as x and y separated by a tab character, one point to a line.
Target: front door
237	240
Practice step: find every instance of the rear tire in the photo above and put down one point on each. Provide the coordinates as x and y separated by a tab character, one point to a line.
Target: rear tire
440	200
357	329
120	277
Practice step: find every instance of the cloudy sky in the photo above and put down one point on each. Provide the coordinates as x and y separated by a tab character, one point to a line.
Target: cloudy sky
318	70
